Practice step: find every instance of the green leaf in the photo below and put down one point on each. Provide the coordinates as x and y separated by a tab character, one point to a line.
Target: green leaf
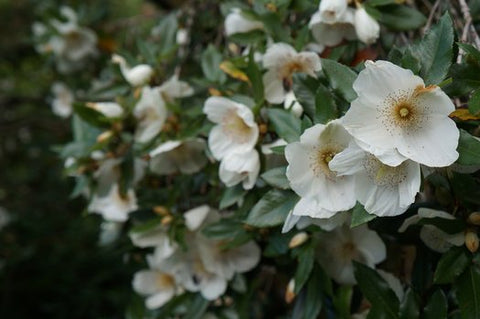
135	308
474	103
360	216
272	209
286	125
341	78
146	226
342	301
305	259
231	195
276	177
409	308
468	292
314	298
435	51
470	50
325	106
377	291
451	265
401	17
469	149
211	60
91	116
436	307
376	3
224	229
167	32
197	308
304	89
450	226
247	38
255	77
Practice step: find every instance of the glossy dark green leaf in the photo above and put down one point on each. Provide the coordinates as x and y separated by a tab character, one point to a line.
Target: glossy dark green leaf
342	301
255	77
276	177
436	307
469	149
304	88
305	260
286	125
401	17
435	51
314	298
210	63
468	292
272	209
451	265
377	291
231	195
197	308
360	216
325	106
470	50
474	103
341	78
409	307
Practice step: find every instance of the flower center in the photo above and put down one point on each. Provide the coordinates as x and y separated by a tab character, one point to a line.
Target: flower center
236	128
384	175
320	159
164	280
404	112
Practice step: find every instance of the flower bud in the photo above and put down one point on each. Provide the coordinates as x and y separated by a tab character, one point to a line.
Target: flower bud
332	10
167	220
161	210
367	28
298	240
471	240
105	136
290	291
474	218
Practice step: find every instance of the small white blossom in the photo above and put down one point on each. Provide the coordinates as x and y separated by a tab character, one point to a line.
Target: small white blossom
281	60
322	192
187	157
367	28
236	22
332	11
433	237
383	190
173	88
114	206
291	103
63	100
135	76
339	247
109	109
236	130
151	113
238	168
395	113
331	34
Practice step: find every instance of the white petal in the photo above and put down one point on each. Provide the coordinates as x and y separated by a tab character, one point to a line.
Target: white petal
332	10
145	282
196	216
213	287
370	244
273	87
368	29
159	299
277	55
235	22
290	222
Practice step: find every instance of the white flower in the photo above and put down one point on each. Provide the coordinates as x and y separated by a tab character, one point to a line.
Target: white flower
302	222
338	248
433	237
367	28
62	103
236	129
187	157
292	104
394	112
332	11
282	60
109	109
158	284
331	34
174	88
322	192
135	76
114	206
182	36
151	113
240	168
236	22
73	44
383	190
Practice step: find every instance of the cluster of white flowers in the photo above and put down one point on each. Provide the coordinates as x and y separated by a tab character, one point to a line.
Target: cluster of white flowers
205	266
71	44
335	21
373	154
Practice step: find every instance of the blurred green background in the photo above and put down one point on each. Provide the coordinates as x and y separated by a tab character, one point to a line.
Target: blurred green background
50	263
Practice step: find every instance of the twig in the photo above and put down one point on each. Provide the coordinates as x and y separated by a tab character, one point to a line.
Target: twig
430	16
467	28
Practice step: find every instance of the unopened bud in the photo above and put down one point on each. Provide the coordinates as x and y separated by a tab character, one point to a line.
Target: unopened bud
161	210
471	240
105	136
137	92
263	129
474	218
290	291
167	220
298	240
214	92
